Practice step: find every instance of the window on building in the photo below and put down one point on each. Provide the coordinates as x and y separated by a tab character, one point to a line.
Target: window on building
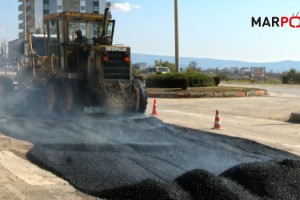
46	12
46	6
75	8
46	1
59	7
67	7
96	8
82	8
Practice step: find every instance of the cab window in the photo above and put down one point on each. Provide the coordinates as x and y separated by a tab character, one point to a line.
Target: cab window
73	27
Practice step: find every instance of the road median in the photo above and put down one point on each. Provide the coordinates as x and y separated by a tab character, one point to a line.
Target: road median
206	92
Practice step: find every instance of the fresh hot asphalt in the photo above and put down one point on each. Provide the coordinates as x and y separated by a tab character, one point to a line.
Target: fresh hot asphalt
141	157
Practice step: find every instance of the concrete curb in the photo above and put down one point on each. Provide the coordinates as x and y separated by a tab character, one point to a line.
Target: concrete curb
250	93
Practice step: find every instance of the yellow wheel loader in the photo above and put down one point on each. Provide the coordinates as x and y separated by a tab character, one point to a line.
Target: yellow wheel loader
82	68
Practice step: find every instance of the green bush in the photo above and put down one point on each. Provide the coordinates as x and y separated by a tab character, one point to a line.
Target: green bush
179	80
168	80
199	80
223	77
291	77
139	77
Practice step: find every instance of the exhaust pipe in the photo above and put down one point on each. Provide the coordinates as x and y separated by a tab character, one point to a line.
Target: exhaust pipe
104	39
104	28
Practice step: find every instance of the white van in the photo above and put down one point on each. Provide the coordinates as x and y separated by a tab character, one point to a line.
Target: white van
153	70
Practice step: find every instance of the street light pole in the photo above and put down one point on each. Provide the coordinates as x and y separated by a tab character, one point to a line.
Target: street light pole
177	62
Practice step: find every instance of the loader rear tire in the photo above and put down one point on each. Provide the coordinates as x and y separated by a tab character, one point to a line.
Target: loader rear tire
53	90
71	103
143	97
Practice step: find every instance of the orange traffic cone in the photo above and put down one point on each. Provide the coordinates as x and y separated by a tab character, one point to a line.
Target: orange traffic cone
217	121
154	110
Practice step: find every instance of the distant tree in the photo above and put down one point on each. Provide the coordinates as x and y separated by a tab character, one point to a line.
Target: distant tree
292	71
3	52
135	71
291	77
162	63
193	67
135	66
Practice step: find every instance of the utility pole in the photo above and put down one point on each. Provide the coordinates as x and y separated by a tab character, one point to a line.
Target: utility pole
25	29
177	62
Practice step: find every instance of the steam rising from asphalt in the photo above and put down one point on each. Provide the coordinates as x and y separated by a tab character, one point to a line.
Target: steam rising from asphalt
108	155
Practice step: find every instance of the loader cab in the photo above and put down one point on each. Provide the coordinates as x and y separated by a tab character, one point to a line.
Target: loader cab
67	53
89	31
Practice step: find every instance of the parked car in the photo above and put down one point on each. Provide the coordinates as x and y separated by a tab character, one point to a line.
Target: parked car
153	70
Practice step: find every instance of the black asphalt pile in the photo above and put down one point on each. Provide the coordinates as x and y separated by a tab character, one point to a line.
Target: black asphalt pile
195	184
129	171
202	184
108	172
147	189
270	180
94	168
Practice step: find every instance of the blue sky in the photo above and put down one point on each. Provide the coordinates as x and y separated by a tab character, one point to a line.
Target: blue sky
218	29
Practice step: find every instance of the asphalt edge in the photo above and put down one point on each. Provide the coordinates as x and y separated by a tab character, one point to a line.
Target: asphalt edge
250	93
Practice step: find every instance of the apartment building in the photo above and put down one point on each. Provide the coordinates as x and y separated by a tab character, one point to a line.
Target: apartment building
34	10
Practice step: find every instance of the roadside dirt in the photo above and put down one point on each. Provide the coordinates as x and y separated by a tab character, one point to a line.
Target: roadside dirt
18	147
201	90
20	179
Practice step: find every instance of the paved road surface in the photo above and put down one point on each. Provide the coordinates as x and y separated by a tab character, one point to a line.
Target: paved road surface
263	119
